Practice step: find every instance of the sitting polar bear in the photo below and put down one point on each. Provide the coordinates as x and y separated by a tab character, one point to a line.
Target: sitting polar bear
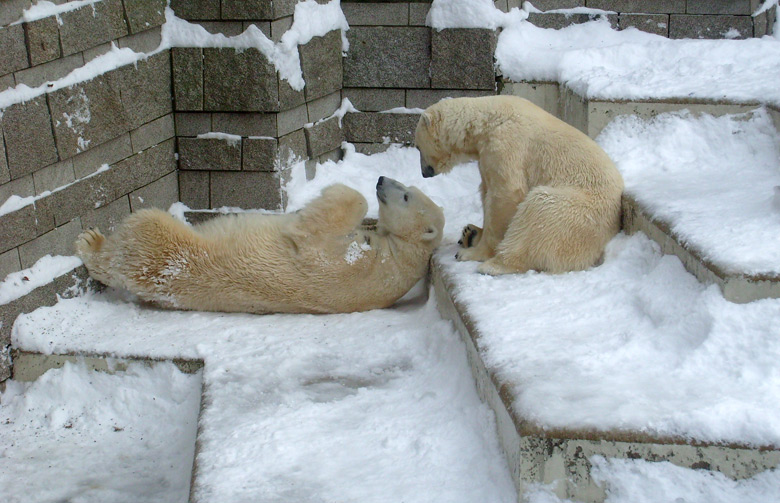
317	260
550	195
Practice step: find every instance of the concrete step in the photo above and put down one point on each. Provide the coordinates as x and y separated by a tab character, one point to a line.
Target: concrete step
738	288
539	454
591	115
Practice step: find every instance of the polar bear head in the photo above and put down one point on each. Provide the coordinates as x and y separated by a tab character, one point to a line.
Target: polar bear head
408	213
440	137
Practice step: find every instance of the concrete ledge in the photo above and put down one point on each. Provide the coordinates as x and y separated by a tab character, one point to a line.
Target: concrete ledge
737	288
536	454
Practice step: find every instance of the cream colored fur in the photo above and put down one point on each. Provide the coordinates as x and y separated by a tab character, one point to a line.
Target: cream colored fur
550	195
317	260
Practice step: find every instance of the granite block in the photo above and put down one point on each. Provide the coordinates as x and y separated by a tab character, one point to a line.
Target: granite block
259	154
29	141
369	127
323	137
279	27
144	14
145	89
418	12
290	120
473	50
375	100
9	262
239	81
194	189
376	13
22	187
192	123
58	241
110	152
92	25
227	28
5	174
187	79
559	20
245	124
11	10
54	176
196	9
323	107
710	27
50	71
639	6
144	41
160	193
651	23
13	57
246	189
98	50
25	224
734	7
289	97
209	154
7	82
152	133
321	63
247	9
87	114
398	57
108	217
292	148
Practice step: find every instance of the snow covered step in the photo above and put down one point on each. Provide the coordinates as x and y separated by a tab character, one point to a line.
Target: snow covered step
634	359
592	115
735	287
727	230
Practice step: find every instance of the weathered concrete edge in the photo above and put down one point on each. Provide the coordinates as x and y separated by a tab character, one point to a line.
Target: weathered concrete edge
28	366
538	455
738	288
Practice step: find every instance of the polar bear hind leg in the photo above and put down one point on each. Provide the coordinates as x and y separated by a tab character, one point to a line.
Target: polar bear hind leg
554	230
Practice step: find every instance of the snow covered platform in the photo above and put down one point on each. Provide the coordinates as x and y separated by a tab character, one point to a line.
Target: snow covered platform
727	230
588	73
634	359
300	407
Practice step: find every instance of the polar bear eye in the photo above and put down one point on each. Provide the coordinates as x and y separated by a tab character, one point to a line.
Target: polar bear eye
406	197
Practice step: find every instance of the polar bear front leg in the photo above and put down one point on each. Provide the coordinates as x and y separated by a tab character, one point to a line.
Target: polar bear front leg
470	236
498	211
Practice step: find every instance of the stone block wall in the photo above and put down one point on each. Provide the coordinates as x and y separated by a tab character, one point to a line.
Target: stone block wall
670	18
85	155
395	61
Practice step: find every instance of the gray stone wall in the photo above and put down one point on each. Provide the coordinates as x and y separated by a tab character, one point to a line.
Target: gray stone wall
670	18
395	61
90	153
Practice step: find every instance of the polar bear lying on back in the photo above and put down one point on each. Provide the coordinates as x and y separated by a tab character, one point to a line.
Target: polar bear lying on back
550	194
317	260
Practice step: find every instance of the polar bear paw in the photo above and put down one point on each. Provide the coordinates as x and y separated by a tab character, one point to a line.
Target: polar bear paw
89	242
470	236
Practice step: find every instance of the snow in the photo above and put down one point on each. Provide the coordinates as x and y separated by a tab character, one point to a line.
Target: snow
233	140
14	203
310	20
42	9
43	272
80	435
639	481
730	220
308	408
596	61
470	14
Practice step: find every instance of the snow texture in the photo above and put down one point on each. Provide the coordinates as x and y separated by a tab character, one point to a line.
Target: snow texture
639	481
712	179
232	139
306	407
80	435
43	272
596	61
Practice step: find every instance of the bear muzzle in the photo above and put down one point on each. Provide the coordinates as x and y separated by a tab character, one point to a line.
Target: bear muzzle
427	171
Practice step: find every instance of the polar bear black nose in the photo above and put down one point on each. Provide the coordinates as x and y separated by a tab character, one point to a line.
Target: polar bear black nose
427	171
380	181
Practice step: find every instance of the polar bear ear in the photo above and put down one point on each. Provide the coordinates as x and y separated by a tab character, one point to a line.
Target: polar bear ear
430	234
430	118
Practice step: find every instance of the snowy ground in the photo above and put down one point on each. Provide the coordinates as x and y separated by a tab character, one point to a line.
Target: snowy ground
380	406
